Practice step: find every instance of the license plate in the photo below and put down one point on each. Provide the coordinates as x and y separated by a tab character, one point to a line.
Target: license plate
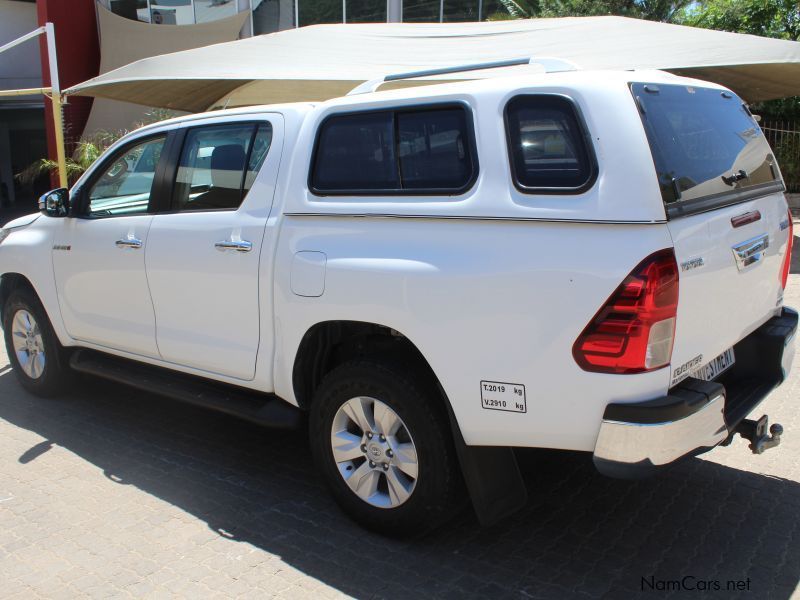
716	367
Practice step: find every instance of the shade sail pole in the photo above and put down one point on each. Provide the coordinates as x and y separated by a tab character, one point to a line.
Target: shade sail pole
53	92
55	97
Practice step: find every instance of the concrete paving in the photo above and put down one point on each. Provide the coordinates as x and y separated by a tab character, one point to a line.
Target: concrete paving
111	493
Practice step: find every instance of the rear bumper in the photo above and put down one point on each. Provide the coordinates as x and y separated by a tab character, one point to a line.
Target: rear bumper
636	439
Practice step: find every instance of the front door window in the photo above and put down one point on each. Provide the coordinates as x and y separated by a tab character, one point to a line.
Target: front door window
126	184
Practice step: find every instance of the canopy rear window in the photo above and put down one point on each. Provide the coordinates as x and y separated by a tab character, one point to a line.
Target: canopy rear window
708	149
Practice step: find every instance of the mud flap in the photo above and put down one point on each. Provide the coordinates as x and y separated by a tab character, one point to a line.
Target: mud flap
492	477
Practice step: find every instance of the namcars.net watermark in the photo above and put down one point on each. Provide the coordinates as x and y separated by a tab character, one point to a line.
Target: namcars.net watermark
692	583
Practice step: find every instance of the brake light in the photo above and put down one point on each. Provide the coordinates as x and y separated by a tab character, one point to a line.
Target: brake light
787	258
634	330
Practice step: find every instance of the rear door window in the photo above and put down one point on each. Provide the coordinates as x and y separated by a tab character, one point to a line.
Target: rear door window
548	148
707	148
218	164
416	151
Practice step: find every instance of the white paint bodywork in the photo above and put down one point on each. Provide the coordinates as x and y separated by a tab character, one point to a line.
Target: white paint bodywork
492	285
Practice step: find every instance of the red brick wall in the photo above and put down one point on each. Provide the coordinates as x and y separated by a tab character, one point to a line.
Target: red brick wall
78	50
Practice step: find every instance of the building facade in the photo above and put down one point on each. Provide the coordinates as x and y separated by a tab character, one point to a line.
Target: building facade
268	16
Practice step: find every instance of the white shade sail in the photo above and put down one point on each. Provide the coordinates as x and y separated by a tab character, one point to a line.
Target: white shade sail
326	61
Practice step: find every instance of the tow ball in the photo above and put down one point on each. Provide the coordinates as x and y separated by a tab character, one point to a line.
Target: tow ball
756	433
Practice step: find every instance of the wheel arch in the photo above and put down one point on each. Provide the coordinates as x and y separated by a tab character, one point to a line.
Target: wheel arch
327	344
491	474
9	282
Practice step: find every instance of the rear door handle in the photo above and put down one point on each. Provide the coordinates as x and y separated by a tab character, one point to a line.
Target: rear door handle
234	246
129	242
750	251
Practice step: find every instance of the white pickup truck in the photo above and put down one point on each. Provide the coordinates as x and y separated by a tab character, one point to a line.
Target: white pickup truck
591	261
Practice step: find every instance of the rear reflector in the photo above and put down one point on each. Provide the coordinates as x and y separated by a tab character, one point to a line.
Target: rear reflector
787	258
635	329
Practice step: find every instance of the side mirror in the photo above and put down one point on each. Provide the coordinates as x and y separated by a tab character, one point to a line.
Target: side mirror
55	203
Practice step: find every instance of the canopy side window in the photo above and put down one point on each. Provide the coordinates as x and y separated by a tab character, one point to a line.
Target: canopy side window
548	145
415	152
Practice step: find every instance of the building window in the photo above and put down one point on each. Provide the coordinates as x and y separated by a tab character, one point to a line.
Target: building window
365	11
270	16
213	10
180	12
436	11
461	10
498	10
171	12
421	11
314	12
136	10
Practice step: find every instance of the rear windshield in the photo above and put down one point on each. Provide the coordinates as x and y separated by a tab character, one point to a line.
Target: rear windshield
705	144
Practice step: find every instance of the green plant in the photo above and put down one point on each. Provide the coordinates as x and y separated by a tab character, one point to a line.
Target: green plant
87	150
787	152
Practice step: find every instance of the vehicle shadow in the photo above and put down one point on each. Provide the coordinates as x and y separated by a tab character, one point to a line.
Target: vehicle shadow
580	535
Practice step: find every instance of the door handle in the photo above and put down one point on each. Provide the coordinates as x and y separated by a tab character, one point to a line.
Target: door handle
750	251
235	246
130	242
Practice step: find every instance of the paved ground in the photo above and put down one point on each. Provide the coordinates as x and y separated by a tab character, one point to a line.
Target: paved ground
112	493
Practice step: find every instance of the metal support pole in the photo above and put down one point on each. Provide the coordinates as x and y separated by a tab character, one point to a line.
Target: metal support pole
24	38
394	11
53	92
61	154
55	97
26	92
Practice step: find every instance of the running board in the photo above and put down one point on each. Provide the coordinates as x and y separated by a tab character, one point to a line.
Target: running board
262	409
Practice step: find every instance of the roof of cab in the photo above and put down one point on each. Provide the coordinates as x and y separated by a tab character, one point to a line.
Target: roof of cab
293	107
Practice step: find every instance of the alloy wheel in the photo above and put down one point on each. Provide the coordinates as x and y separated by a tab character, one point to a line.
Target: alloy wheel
374	452
28	344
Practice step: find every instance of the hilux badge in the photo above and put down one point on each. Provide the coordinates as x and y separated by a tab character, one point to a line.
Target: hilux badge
692	263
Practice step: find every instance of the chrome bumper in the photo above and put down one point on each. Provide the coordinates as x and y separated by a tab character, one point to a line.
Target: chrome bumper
691	419
635	439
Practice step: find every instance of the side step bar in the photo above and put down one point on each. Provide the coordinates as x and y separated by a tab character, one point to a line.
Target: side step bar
262	409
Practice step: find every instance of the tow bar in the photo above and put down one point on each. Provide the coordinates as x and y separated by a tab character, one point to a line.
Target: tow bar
756	433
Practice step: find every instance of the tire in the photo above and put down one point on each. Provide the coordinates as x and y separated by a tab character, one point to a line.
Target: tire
47	375
399	504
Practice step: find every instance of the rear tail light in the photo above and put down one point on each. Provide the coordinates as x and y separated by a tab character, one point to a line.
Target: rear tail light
634	330
787	259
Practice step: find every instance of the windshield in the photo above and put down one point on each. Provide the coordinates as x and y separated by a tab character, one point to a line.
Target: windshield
704	142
